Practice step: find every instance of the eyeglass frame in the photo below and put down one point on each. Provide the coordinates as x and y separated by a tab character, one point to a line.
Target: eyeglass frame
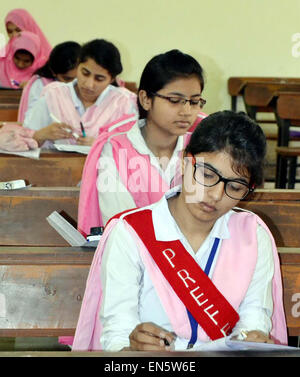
221	179
182	101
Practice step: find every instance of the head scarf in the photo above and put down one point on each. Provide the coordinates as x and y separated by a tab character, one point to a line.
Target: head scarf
24	20
10	75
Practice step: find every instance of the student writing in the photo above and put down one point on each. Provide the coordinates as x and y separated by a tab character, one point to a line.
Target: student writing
169	101
90	99
190	268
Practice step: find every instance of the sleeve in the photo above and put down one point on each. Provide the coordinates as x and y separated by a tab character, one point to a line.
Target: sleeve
113	196
256	309
121	276
34	95
39	115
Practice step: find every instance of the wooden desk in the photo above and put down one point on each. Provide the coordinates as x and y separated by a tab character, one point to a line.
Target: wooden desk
9	104
236	85
23	215
53	169
43	289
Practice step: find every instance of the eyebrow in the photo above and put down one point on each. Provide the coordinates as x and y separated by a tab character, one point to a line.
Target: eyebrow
98	76
240	179
182	95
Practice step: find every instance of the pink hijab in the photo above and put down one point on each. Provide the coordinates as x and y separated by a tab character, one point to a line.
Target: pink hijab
9	73
24	20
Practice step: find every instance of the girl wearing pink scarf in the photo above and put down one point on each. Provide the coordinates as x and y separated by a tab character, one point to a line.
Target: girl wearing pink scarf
77	111
169	101
23	57
61	66
143	283
18	20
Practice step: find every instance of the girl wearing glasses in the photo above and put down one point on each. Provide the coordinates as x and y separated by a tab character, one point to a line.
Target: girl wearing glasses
190	269
137	159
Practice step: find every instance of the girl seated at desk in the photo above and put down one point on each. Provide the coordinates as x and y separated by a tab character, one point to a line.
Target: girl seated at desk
23	57
189	269
81	107
61	66
169	102
18	20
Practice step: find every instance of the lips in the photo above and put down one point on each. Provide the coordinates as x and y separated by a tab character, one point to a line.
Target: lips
183	123
208	207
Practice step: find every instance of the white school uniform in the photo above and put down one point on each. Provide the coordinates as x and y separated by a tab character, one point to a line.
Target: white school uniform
129	297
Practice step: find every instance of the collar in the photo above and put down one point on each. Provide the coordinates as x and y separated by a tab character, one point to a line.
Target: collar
166	228
77	102
136	138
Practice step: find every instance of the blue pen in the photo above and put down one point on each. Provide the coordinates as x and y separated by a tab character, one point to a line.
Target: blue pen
82	130
14	82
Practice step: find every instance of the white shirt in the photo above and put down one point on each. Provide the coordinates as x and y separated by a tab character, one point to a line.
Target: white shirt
129	297
34	95
113	196
39	116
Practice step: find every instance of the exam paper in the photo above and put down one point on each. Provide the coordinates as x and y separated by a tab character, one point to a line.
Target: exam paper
32	153
83	149
227	344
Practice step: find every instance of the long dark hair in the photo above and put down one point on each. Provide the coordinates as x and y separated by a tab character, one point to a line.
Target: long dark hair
62	59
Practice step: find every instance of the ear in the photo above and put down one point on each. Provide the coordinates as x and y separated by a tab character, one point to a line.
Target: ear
145	101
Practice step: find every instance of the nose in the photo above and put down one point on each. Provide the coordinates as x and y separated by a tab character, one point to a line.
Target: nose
186	109
216	192
89	82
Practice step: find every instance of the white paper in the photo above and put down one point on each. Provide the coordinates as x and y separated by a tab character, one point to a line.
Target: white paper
83	149
65	229
227	344
32	153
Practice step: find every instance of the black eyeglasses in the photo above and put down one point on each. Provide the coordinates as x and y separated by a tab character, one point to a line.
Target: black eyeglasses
199	102
207	176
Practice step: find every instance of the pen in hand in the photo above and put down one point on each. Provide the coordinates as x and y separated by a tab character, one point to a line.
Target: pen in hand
82	130
58	121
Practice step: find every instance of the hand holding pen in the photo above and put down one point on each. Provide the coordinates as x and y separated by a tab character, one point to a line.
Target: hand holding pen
150	337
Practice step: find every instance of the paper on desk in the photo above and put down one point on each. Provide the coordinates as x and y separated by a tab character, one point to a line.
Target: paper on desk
83	149
227	344
32	153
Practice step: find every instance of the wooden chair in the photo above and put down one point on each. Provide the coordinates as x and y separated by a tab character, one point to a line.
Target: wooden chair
53	169
288	115
236	85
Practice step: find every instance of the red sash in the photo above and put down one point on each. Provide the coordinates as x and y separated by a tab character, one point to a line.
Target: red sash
197	292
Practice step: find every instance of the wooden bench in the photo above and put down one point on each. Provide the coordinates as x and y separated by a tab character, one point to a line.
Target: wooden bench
9	104
53	169
23	215
42	289
236	85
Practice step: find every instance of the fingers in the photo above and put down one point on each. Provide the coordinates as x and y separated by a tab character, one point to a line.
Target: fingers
149	337
258	336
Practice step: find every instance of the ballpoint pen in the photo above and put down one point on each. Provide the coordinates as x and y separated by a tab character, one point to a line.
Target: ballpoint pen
66	129
82	130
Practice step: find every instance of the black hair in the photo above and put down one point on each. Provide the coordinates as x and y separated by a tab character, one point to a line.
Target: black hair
62	59
238	135
104	53
165	68
26	52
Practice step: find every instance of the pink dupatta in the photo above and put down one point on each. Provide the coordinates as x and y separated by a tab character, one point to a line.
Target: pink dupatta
10	75
24	20
240	250
25	96
116	103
